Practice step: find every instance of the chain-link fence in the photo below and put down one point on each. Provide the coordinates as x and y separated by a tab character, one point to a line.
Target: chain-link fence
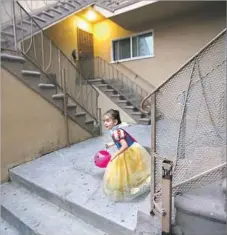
190	123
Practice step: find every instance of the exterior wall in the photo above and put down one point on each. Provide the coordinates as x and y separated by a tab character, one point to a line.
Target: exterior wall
30	125
176	39
64	34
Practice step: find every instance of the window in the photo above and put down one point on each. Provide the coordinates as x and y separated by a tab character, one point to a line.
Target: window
136	46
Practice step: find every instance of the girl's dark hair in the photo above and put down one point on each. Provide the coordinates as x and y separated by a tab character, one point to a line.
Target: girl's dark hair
114	114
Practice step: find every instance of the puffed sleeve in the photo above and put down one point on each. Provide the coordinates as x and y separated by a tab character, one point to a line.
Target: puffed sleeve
118	135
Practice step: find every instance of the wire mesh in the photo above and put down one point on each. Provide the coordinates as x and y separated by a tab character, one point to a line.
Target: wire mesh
191	121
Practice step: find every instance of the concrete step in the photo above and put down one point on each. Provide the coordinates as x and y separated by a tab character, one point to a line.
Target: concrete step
72	105
7	229
30	73
58	96
8	34
12	58
47	14
55	10
75	184
29	22
39	19
91	121
46	85
79	114
31	214
95	80
145	121
202	211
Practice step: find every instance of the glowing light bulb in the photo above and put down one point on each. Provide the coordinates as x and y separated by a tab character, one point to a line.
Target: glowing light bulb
91	15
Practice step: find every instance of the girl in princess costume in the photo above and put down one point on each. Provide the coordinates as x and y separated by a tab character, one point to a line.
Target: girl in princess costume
128	173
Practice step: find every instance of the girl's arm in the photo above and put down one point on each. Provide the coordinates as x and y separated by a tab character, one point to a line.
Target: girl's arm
124	146
109	145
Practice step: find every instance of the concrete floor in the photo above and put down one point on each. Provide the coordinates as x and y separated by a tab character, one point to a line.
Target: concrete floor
70	174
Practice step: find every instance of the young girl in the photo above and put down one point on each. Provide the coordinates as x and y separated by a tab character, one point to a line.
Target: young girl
128	174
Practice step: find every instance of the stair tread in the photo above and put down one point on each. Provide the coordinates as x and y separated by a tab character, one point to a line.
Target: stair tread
31	72
59	95
40	215
7	229
8	33
137	113
40	18
55	10
46	85
95	80
116	95
109	90
72	105
89	121
47	14
29	22
80	114
122	101
145	119
203	205
12	57
129	107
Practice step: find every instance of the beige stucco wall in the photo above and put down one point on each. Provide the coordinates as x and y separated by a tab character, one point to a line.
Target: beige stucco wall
30	126
105	103
64	34
176	39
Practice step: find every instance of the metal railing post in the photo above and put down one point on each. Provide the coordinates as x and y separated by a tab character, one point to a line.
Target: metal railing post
100	120
59	67
153	147
42	51
14	26
167	167
65	107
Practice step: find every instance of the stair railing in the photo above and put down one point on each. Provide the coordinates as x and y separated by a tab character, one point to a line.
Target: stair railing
100	68
188	115
35	44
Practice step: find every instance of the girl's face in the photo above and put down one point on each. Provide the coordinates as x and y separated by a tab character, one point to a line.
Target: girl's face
109	122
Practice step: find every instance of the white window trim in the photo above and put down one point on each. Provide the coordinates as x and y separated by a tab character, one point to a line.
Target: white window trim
132	58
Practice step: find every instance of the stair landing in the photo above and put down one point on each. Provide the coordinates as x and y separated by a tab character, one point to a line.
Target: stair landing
69	179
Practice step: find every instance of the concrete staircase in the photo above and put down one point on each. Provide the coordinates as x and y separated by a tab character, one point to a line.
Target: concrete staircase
203	211
42	19
49	15
40	82
124	97
61	193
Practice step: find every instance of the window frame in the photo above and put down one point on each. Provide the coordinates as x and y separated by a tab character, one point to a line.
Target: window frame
131	52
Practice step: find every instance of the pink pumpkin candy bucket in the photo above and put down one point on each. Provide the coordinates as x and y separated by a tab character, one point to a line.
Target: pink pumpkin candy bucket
102	158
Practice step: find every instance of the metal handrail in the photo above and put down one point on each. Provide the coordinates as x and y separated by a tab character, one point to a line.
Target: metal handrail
107	71
65	58
79	90
57	86
181	68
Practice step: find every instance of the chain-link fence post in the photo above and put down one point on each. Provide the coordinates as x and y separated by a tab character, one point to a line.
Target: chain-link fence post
167	167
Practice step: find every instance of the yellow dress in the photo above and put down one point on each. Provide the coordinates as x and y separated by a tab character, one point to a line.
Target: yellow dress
128	175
